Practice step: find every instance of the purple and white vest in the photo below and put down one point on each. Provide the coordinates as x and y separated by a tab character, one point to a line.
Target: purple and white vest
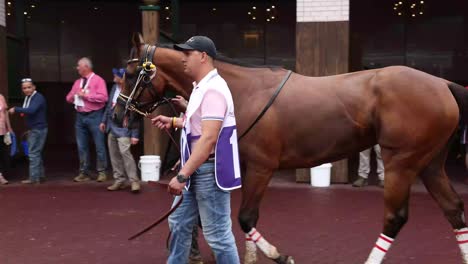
227	168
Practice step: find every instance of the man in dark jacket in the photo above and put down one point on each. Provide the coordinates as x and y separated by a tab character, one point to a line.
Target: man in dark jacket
35	109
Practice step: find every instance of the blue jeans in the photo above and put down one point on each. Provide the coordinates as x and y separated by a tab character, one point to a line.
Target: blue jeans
36	142
214	206
87	125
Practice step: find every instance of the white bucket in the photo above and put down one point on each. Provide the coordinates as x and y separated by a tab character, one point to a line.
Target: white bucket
320	175
149	166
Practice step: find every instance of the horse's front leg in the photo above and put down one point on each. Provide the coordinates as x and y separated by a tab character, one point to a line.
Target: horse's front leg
254	184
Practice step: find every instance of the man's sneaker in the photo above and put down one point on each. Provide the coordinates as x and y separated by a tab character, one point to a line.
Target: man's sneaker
381	183
135	187
102	177
3	181
360	182
82	178
28	181
116	186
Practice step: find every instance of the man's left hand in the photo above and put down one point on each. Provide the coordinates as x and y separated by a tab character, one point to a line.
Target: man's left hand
175	187
134	141
12	110
81	93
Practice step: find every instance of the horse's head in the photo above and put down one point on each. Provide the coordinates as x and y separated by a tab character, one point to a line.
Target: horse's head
143	88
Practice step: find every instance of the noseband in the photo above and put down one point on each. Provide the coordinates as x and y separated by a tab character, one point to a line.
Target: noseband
146	72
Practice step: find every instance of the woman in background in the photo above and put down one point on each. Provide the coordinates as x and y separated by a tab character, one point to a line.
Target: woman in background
5	127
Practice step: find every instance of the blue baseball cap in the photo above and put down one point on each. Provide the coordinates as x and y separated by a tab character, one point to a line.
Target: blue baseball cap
119	72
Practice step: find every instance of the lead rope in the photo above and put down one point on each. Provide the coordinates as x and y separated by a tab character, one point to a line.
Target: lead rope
168	213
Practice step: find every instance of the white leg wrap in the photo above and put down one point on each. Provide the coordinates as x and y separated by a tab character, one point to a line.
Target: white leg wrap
462	239
380	249
250	251
269	250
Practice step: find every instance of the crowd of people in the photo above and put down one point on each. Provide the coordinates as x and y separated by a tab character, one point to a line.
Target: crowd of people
93	120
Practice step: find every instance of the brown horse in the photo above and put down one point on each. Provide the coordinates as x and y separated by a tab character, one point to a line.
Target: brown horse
411	114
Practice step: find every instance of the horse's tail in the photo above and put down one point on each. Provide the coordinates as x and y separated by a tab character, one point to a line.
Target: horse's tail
461	96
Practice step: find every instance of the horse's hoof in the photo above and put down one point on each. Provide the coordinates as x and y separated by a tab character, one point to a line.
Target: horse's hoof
285	260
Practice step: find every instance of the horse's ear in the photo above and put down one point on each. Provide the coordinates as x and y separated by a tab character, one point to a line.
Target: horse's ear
137	39
137	42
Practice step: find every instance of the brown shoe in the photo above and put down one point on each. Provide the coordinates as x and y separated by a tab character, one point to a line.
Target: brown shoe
195	260
116	186
82	178
3	181
135	187
360	182
381	183
102	177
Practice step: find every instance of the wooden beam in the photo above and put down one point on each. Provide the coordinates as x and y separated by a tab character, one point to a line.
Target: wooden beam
154	141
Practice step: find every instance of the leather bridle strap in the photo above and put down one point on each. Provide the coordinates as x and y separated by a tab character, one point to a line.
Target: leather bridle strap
267	106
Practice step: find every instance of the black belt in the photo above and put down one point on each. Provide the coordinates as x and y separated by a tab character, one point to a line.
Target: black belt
90	112
86	113
211	158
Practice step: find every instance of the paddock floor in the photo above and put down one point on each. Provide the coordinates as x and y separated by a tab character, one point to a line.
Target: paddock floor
65	222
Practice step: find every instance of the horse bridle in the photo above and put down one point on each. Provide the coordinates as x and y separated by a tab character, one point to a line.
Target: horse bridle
147	71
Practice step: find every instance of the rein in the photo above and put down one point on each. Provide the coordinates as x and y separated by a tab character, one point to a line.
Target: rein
168	213
157	222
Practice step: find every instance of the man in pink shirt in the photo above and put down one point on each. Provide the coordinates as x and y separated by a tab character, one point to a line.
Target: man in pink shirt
89	96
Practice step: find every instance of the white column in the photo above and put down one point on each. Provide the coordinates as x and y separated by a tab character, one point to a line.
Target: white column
322	10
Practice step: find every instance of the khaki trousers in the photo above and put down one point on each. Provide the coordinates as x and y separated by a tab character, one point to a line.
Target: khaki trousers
123	164
364	163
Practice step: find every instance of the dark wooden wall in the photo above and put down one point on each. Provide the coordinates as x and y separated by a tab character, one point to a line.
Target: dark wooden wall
3	63
322	48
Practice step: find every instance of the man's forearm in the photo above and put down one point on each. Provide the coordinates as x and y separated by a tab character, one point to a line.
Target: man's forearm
198	156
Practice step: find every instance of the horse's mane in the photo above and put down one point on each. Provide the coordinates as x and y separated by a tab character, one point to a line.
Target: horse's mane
223	58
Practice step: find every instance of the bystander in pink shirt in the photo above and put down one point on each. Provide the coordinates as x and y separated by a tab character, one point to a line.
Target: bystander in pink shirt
95	93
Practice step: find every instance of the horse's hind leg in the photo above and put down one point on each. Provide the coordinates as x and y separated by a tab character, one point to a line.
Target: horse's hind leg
437	183
253	189
396	196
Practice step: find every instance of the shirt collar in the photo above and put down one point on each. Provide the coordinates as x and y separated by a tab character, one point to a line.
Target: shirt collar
205	79
89	75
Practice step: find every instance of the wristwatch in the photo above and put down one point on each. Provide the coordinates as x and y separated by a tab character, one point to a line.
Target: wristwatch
181	178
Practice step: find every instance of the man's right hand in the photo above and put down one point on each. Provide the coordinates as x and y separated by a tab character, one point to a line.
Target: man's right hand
162	122
102	127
